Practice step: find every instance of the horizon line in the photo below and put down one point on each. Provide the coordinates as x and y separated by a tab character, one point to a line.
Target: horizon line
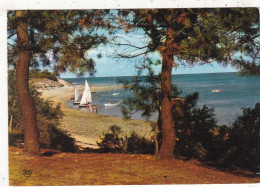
146	75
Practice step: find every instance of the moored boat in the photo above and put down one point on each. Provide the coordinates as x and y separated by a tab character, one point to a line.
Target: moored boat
111	104
76	97
115	93
217	90
86	99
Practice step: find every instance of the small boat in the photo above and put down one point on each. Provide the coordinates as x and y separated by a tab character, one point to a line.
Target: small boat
217	90
76	97
86	97
115	93
111	104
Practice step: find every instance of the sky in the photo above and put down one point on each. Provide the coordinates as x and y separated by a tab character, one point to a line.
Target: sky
108	66
104	66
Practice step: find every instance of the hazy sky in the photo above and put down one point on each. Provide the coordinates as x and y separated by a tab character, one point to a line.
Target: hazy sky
109	66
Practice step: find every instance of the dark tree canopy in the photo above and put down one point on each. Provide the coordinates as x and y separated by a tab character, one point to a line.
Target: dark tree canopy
57	39
180	36
54	37
189	37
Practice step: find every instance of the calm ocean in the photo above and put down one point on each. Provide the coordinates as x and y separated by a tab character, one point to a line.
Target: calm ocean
237	93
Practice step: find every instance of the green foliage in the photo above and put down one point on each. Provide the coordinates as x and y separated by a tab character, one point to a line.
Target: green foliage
113	141
61	140
193	124
139	145
194	128
16	139
239	144
201	35
198	135
146	93
244	139
14	112
37	73
48	119
63	35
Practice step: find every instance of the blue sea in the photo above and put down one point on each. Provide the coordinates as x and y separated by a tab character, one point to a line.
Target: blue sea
237	92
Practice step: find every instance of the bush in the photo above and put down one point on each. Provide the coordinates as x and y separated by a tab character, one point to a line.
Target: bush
114	142
194	126
36	73
244	140
139	145
62	141
48	119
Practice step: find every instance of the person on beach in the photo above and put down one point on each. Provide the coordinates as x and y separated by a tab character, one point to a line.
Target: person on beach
90	107
94	108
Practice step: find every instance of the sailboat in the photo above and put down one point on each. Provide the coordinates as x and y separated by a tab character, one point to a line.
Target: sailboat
76	98
115	93
86	97
112	104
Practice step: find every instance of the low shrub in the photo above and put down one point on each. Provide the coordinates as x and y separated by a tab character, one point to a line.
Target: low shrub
139	145
113	141
37	73
48	119
244	140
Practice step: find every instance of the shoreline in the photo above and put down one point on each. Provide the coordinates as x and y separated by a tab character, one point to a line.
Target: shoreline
87	128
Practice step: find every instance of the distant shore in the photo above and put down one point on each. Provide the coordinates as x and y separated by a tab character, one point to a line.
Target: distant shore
61	94
87	128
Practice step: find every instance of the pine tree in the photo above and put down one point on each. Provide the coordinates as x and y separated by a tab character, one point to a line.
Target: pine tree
187	37
34	37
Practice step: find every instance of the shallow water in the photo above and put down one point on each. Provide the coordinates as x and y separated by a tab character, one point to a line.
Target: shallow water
237	93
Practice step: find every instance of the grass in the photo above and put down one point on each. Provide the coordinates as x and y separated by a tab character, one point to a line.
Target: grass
35	80
111	169
88	127
106	169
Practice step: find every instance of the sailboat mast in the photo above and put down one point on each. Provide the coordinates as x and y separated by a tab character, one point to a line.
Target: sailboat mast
114	84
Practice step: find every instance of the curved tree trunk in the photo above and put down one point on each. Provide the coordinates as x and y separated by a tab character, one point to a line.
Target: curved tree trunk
31	140
168	126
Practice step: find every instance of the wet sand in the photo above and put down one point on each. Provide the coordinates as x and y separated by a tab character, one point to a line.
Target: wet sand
87	128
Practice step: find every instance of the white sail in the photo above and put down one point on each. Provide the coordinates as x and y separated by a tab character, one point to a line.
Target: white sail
76	95
86	97
115	93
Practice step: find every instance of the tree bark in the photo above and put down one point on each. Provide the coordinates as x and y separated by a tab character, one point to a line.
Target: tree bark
156	140
168	126
31	139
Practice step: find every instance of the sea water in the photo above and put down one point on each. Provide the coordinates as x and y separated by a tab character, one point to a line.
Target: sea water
237	92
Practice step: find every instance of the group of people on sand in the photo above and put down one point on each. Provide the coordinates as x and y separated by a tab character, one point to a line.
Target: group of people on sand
92	108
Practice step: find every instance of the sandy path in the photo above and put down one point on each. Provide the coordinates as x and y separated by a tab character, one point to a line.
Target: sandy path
87	128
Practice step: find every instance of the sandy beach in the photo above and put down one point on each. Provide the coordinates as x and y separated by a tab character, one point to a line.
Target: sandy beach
85	127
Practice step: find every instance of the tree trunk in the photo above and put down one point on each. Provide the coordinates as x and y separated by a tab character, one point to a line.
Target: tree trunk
11	121
31	139
156	140
168	126
10	129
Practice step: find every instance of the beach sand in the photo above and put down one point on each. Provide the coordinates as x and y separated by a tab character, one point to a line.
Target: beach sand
87	128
